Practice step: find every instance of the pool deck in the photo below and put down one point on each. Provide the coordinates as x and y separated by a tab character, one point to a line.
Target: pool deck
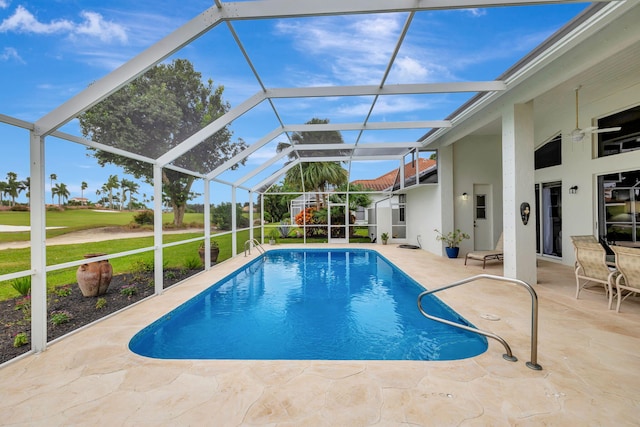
590	358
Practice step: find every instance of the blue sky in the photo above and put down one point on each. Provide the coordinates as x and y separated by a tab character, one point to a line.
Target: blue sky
52	49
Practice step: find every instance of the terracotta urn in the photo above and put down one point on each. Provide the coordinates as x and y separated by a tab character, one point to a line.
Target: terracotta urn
214	251
94	277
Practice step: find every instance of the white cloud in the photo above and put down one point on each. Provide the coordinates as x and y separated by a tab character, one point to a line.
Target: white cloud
477	12
22	21
10	53
357	49
4	4
95	26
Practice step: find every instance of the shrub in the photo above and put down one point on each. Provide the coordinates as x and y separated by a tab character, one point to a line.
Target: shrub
63	291
144	218
100	303
19	208
129	290
24	304
192	263
22	285
20	339
60	317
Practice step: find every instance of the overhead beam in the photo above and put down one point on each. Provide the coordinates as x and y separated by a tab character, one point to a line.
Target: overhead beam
263	166
395	89
245	153
369	126
348	158
274	177
290	9
361	146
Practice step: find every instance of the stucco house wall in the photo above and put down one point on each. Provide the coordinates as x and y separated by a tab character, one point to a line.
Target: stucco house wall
580	166
477	160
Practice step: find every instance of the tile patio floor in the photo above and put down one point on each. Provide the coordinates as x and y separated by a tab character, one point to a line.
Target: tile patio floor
590	358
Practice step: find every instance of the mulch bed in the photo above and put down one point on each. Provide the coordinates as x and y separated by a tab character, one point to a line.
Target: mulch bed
80	310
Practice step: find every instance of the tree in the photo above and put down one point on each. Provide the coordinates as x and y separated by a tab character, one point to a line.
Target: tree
155	113
27	187
276	206
83	186
111	184
221	216
316	176
52	177
131	187
61	191
3	189
13	187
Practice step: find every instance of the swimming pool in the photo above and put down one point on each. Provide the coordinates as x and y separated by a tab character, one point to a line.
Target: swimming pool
310	304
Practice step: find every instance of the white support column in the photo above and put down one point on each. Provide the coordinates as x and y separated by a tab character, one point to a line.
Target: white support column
38	245
250	215
262	219
445	183
518	188
347	219
234	223
158	275
207	224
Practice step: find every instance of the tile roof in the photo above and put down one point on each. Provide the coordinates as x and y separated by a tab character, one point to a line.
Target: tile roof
387	180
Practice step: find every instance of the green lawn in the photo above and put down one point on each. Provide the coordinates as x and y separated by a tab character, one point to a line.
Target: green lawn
79	219
14	260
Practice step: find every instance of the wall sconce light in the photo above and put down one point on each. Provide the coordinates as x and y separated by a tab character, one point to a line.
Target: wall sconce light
465	196
573	190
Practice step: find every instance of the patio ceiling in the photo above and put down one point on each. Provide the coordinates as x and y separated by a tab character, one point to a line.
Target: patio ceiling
232	21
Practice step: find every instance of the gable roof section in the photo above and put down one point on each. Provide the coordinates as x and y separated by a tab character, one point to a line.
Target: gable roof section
388	180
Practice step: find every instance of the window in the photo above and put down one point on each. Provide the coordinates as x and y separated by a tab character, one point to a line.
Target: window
619	206
624	140
549	154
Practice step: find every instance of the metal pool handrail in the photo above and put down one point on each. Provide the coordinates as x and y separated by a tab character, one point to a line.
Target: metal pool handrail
255	243
533	364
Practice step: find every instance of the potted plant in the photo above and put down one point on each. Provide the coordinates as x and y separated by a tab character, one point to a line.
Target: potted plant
385	238
273	235
452	239
214	251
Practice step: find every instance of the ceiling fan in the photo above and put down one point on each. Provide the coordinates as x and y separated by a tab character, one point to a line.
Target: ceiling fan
577	135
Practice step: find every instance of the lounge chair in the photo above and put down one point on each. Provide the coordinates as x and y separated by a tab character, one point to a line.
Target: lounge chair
628	264
591	266
497	254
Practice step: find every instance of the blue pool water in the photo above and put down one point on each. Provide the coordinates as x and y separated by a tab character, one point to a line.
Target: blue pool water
314	305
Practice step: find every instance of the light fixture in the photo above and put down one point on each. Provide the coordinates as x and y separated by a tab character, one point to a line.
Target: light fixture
573	190
465	196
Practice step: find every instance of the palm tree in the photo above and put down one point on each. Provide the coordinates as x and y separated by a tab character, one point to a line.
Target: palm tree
83	186
112	183
316	176
131	187
53	177
27	187
62	192
3	189
13	187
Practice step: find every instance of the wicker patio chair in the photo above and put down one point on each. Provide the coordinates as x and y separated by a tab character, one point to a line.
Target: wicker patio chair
591	267
628	264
